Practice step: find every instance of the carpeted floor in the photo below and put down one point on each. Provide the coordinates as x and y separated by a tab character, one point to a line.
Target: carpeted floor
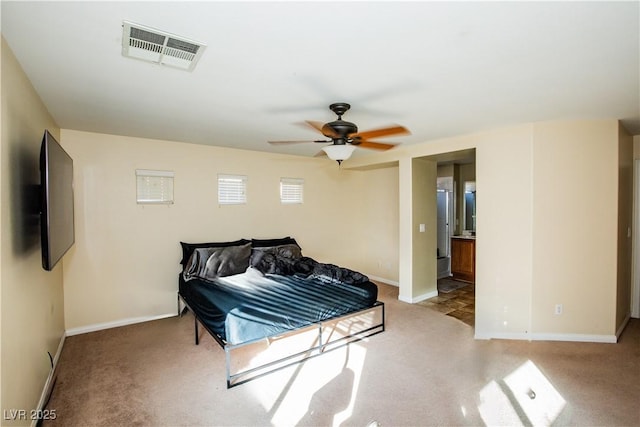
425	369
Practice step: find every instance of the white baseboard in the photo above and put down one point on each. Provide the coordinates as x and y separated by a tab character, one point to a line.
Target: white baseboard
115	324
419	297
383	280
401	298
612	339
609	339
48	385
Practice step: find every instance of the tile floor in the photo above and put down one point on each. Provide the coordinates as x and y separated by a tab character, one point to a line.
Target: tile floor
459	303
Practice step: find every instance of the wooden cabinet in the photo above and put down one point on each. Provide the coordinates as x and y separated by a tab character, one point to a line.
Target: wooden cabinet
463	259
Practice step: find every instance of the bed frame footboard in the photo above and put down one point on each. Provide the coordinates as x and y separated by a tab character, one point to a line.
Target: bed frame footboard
294	346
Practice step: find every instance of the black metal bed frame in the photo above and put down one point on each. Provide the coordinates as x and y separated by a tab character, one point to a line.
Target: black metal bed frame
319	347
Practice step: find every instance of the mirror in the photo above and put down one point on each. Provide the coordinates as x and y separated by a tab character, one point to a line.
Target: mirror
469	210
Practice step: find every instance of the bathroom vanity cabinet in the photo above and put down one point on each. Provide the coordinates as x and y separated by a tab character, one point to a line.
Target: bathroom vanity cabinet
463	258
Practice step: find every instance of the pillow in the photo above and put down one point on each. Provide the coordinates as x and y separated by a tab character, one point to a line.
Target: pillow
188	248
270	263
283	251
329	273
209	263
263	243
275	259
304	266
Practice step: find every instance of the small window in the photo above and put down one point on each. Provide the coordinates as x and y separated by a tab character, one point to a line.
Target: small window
232	189
154	187
291	190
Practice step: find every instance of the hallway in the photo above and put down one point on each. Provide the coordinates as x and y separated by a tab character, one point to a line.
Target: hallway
458	303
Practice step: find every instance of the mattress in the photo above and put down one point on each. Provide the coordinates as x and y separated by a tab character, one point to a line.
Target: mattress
250	306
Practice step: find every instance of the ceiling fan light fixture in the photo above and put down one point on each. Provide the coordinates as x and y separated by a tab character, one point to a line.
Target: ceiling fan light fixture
339	152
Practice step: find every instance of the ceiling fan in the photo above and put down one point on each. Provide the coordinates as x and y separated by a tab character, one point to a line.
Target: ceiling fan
344	136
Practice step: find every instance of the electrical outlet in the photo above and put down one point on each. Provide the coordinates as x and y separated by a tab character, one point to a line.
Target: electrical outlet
558	309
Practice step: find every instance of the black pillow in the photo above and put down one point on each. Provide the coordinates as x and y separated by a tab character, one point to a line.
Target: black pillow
329	273
209	263
270	263
285	251
261	243
275	259
304	266
188	248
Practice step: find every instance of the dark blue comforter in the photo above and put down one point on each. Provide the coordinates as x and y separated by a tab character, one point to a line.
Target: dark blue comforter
250	306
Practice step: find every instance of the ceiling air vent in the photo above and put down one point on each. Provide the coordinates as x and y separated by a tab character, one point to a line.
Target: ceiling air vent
160	47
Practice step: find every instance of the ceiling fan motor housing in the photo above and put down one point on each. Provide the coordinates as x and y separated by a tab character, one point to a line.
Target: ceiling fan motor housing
339	130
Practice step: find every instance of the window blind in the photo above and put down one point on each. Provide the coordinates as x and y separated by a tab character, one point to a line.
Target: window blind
291	190
232	189
154	187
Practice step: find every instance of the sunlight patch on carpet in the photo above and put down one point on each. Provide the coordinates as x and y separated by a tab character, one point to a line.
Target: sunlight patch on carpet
327	384
525	397
319	391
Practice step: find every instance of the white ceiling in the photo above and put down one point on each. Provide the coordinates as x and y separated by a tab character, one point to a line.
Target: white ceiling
438	68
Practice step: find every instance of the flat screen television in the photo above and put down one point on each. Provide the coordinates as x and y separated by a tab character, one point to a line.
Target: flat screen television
56	214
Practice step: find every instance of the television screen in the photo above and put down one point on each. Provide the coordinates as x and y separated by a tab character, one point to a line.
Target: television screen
56	216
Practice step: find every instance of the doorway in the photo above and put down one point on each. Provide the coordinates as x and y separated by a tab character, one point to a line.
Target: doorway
456	222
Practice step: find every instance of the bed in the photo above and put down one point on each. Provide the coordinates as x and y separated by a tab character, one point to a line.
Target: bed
253	296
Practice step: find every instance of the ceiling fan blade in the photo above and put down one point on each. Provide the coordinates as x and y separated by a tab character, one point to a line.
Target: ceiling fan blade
320	153
377	133
375	145
318	126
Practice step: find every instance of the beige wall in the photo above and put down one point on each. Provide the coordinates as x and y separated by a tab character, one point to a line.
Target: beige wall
575	216
379	222
424	204
504	234
405	237
32	306
124	265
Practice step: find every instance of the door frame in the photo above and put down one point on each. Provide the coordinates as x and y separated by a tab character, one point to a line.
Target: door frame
635	252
